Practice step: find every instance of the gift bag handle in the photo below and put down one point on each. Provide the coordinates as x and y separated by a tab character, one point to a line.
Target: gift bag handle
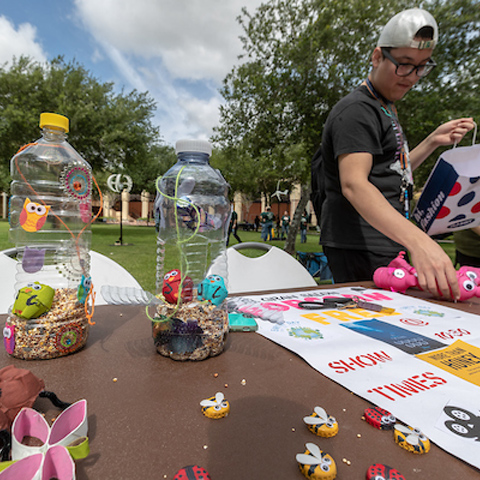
474	139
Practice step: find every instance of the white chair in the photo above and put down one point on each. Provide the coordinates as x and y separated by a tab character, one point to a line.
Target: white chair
103	270
276	269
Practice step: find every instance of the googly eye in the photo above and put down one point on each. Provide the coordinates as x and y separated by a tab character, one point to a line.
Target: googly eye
468	285
391	419
422	437
326	461
41	210
174	273
224	404
325	467
88	282
167	276
399	273
31	207
471	275
217	407
379	477
7	333
329	424
36	286
417	431
30	285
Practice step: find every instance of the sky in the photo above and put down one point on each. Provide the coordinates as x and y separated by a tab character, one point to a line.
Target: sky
179	51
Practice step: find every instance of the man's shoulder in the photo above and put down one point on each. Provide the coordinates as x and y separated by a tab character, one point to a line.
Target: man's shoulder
356	98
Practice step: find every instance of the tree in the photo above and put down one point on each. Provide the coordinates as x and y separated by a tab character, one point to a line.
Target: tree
301	56
113	132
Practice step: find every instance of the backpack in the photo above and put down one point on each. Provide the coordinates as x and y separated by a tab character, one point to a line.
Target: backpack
318	195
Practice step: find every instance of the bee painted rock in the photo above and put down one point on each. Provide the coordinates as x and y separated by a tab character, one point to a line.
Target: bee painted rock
215	407
379	418
192	472
172	286
378	471
315	464
411	439
33	300
213	289
321	424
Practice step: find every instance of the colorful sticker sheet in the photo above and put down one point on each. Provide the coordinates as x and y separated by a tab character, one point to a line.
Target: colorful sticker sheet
420	362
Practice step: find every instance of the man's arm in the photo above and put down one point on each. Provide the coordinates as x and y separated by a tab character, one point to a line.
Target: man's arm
432	264
446	134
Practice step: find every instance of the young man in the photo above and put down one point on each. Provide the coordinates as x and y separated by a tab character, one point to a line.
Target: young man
267	218
285	225
364	223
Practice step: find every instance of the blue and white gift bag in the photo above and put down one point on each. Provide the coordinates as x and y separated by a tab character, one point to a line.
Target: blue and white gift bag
450	199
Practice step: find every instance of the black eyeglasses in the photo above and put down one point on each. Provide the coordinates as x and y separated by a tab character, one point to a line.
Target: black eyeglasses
405	69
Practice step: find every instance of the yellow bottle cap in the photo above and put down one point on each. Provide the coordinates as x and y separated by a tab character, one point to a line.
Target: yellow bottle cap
54	120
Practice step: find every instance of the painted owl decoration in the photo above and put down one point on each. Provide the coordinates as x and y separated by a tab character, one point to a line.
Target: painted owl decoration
212	289
84	288
215	407
379	418
411	439
321	424
315	464
172	284
33	216
33	300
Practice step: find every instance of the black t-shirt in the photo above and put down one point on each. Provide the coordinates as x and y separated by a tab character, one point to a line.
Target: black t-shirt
359	123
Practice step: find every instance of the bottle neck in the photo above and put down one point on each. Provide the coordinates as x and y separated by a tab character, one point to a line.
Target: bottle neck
52	134
194	157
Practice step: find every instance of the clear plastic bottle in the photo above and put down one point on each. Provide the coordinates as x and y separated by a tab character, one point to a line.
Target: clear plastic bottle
192	214
50	216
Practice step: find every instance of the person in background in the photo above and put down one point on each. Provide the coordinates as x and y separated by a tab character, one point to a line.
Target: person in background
256	222
368	166
303	227
467	247
267	218
285	225
232	228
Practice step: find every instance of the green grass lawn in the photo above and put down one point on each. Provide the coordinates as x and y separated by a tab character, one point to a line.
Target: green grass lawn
138	254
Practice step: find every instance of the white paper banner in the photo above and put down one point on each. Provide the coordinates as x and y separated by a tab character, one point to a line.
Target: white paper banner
420	362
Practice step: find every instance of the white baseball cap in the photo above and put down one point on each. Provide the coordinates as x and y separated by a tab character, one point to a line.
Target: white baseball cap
401	30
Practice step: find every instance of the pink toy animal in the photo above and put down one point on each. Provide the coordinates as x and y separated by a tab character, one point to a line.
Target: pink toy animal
469	282
400	275
397	277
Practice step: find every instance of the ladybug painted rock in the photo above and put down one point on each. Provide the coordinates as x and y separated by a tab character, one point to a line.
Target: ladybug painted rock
377	471
192	472
379	418
171	287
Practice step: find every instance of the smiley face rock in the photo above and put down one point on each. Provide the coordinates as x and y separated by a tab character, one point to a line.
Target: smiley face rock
315	464
33	300
321	424
215	407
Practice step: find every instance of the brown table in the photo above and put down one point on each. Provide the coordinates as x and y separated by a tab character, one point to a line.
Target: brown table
148	424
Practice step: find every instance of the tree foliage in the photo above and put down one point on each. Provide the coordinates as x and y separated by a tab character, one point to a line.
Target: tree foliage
301	56
113	132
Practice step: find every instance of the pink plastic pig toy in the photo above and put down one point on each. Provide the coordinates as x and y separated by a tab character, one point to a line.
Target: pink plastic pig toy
397	277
